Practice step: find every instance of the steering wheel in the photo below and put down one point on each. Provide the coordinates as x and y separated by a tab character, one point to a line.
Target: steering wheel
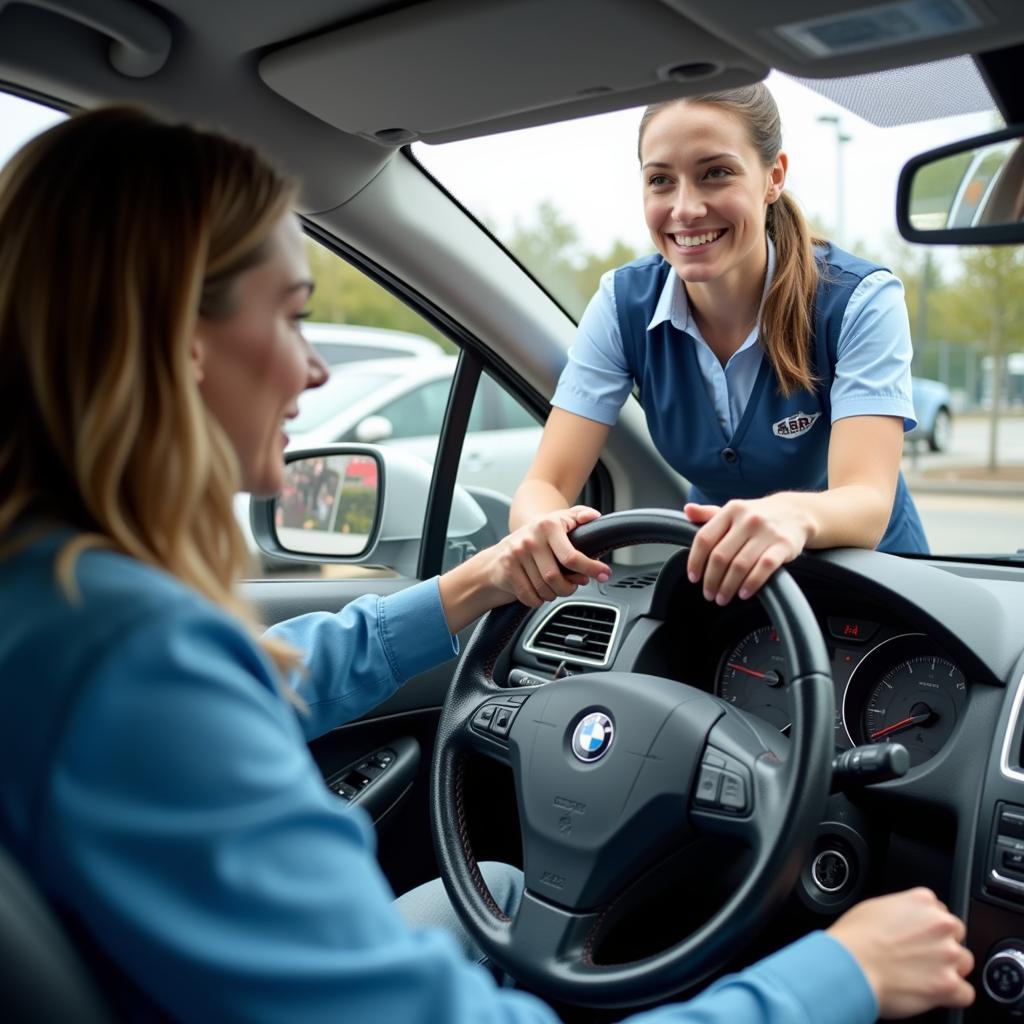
613	772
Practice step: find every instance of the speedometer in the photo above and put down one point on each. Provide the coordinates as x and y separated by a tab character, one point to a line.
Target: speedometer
916	703
751	676
906	691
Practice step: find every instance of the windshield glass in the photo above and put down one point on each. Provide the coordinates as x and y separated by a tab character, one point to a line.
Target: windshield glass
565	199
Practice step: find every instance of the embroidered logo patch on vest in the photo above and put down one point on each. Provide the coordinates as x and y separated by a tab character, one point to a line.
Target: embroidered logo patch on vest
795	425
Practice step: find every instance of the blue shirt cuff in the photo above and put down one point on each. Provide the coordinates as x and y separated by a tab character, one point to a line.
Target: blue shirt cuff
414	631
825	978
876	405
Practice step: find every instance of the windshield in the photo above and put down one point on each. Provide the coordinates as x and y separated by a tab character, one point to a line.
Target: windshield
565	199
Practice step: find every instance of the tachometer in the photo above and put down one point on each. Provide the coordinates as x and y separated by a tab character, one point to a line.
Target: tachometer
906	691
751	676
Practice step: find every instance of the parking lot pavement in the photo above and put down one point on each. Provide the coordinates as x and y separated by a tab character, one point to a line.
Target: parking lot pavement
972	524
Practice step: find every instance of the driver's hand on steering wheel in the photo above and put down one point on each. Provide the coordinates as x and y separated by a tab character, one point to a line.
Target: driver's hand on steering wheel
540	563
910	949
533	564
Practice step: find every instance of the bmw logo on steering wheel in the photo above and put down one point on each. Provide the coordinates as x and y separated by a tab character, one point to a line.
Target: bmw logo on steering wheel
592	737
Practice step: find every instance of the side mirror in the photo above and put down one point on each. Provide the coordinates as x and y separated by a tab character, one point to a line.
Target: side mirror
968	193
329	504
356	503
374	429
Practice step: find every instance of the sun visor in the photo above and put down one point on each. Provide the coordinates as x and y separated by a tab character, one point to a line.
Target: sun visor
446	70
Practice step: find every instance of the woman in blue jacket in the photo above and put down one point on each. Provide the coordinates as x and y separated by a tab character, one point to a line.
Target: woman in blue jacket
157	784
773	368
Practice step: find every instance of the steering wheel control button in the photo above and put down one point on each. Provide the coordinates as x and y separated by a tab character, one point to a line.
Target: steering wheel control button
502	721
482	719
830	871
733	796
713	759
1003	977
709	784
592	737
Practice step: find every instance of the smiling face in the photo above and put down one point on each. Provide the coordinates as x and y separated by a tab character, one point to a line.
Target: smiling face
706	193
253	363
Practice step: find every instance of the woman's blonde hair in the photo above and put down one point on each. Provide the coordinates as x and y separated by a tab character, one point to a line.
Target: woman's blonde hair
787	316
116	231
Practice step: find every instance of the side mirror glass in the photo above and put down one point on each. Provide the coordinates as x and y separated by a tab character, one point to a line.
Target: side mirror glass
969	193
329	504
356	503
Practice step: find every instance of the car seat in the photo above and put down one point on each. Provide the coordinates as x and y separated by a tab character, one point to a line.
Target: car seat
42	978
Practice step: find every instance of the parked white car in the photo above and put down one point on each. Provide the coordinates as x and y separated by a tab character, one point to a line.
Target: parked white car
348	343
401	402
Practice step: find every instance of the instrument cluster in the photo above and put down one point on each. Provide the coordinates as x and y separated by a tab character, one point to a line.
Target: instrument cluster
890	686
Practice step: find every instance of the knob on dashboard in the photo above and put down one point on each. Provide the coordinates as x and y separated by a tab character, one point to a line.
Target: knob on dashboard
1003	976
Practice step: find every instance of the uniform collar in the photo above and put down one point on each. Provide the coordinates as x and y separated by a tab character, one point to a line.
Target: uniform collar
674	306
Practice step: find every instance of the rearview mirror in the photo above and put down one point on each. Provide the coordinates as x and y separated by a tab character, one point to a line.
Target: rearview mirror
969	193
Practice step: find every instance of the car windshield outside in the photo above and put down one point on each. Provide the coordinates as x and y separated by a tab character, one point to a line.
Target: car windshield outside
565	200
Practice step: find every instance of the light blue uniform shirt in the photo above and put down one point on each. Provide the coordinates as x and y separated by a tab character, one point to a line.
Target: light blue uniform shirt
159	790
872	375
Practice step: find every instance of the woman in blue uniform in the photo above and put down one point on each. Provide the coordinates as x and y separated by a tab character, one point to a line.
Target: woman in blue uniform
157	785
773	367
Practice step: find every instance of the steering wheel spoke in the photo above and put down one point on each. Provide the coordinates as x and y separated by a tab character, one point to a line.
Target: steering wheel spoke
740	788
488	725
544	938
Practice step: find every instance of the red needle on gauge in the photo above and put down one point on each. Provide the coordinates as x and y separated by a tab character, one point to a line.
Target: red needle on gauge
904	723
771	678
749	671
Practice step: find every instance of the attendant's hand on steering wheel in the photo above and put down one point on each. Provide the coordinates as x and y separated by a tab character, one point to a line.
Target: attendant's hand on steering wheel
740	544
910	949
540	563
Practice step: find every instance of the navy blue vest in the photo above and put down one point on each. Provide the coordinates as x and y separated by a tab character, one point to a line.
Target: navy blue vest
780	444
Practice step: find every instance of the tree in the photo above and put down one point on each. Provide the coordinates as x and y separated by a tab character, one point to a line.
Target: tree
345	295
989	303
550	249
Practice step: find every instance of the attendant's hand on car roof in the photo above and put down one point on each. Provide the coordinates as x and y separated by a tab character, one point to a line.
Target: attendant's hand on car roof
741	543
910	949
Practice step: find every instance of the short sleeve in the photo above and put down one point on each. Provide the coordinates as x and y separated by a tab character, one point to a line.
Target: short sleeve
596	382
873	356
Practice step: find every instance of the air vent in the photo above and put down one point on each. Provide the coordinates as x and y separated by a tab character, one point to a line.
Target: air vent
578	632
637	582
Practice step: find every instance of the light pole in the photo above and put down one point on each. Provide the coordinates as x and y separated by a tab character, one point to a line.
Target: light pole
841	137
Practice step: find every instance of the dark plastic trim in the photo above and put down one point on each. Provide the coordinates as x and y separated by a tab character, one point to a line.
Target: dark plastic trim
994	234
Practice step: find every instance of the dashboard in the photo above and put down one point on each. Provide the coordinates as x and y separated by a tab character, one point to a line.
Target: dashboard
890	685
900	675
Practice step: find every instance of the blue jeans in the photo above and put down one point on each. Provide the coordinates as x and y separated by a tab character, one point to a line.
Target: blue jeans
428	906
